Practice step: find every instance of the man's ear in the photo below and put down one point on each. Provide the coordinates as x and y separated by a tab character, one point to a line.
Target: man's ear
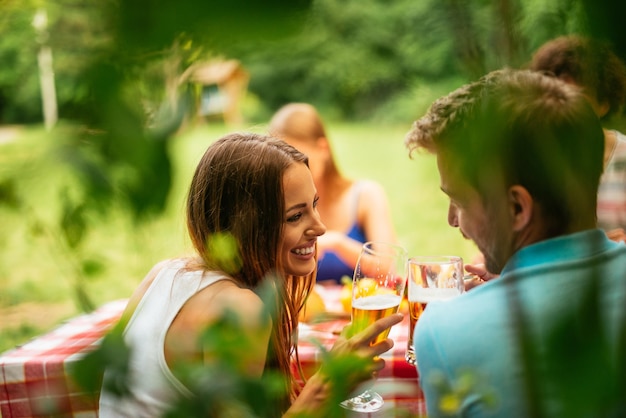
521	204
322	142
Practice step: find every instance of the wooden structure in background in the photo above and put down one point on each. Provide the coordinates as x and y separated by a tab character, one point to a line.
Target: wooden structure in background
223	85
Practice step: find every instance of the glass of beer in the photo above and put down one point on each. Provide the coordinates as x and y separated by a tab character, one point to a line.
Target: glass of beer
431	278
377	289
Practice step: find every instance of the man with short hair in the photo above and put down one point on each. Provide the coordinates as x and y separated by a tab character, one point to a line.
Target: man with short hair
520	156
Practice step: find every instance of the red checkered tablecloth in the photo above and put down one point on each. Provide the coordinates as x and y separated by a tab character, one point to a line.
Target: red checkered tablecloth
34	378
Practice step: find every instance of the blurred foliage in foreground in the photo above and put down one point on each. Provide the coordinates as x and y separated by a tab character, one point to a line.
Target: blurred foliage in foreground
362	58
118	65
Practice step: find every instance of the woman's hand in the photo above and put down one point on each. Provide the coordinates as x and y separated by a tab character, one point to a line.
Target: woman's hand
319	395
330	241
358	350
349	342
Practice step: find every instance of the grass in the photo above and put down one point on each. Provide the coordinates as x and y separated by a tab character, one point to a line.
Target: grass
37	274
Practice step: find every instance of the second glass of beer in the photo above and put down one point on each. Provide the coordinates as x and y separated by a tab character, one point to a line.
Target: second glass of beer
431	278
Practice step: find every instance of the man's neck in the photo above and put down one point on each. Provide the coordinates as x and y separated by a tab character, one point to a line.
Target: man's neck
541	230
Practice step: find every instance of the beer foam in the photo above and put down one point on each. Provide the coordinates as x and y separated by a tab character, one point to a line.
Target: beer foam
427	294
375	302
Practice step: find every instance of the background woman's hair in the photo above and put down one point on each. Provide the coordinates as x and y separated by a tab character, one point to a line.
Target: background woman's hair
299	121
588	63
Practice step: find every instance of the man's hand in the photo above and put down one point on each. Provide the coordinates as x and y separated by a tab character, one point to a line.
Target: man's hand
617	235
478	275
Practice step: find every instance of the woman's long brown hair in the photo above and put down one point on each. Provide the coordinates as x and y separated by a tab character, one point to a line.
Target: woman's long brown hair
237	189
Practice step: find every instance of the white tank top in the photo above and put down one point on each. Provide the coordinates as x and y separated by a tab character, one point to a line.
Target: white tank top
153	386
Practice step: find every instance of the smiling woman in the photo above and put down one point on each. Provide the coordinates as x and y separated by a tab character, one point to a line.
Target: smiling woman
253	194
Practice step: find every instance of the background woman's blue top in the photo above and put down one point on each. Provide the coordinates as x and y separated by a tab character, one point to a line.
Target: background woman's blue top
330	266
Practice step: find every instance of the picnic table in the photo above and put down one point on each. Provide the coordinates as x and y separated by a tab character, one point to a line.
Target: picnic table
35	379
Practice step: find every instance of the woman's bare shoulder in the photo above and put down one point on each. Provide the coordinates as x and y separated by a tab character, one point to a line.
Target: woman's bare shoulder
244	302
149	278
141	290
373	200
371	188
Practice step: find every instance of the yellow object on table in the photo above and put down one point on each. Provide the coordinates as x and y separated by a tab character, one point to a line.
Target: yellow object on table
314	306
345	296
